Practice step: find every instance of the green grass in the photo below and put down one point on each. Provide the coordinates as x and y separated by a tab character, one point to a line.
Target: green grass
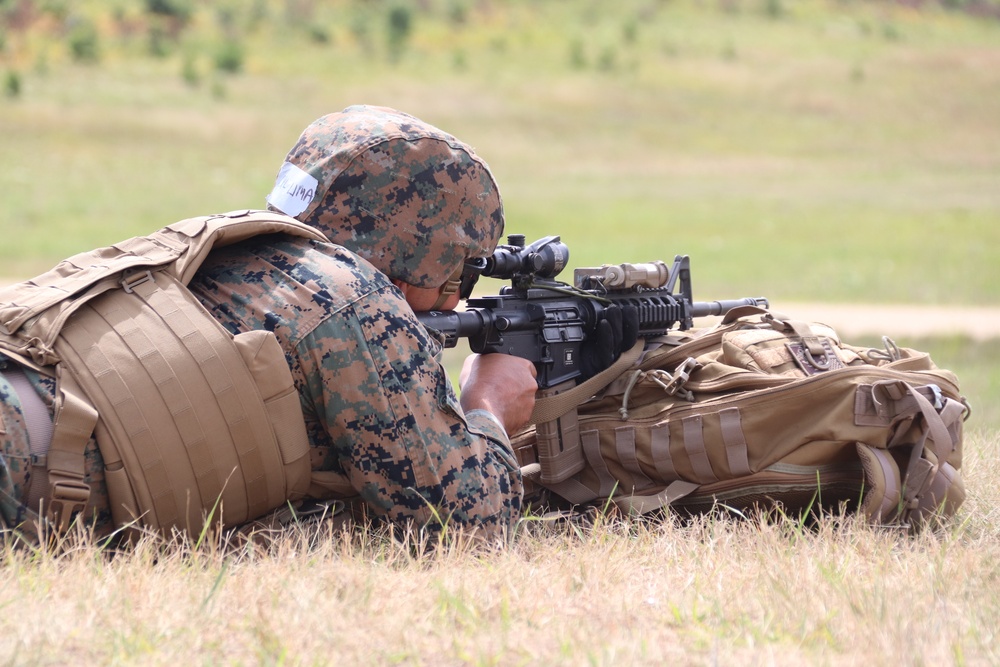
818	155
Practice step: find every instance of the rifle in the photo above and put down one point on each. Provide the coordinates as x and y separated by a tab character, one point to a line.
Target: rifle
549	322
546	321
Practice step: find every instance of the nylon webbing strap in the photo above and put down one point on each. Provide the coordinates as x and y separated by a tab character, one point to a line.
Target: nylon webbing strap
591	441
74	424
625	447
735	441
694	445
573	490
646	504
937	433
660	450
553	407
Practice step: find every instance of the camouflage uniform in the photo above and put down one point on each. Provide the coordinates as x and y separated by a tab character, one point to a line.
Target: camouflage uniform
379	409
378	405
15	455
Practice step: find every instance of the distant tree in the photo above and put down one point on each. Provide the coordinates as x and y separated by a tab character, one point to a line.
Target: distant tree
12	84
172	16
229	57
84	42
189	71
400	27
180	10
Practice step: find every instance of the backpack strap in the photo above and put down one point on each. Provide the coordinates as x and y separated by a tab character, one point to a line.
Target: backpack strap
650	503
929	482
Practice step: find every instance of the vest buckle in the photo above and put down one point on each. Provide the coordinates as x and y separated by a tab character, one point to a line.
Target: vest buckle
130	282
67	498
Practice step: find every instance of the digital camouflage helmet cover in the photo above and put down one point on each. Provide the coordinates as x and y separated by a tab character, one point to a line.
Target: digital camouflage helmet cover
411	199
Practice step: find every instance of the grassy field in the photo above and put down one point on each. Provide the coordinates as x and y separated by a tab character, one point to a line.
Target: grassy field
840	151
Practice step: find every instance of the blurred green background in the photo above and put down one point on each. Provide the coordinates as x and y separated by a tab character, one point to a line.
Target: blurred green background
806	150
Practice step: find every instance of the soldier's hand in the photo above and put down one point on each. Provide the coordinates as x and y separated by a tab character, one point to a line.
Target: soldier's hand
501	384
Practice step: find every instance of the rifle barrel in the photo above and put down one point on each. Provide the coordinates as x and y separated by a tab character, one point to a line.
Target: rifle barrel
707	308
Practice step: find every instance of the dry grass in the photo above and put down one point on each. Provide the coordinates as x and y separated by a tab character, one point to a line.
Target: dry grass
711	591
740	140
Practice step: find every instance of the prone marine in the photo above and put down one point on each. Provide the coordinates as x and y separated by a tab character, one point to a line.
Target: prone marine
402	206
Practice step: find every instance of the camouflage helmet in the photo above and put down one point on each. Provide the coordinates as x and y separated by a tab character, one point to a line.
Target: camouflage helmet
414	201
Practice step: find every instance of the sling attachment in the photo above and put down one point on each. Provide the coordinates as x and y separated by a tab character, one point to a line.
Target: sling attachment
553	407
672	383
816	353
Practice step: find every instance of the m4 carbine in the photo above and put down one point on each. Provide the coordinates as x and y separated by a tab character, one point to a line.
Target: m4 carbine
550	323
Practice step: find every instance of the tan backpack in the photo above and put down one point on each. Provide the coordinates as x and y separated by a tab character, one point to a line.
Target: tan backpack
756	412
190	420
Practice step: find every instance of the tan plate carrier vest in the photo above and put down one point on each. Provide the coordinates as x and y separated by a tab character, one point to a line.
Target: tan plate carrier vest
192	422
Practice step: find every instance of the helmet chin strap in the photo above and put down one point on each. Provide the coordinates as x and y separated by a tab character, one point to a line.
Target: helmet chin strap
450	287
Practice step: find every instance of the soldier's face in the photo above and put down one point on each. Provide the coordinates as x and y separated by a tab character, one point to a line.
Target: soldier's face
422	299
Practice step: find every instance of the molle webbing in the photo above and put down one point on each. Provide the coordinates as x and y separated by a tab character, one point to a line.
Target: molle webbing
189	419
761	413
158	386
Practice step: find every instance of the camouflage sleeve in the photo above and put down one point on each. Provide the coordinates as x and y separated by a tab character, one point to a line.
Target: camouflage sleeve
396	425
16	461
379	407
14	454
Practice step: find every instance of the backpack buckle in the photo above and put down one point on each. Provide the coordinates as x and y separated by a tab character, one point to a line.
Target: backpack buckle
937	397
675	383
680	378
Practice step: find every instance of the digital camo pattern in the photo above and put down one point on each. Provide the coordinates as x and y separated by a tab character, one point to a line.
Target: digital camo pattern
379	407
15	466
411	199
14	452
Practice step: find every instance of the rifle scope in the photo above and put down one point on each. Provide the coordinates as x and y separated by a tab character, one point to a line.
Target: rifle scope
544	258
